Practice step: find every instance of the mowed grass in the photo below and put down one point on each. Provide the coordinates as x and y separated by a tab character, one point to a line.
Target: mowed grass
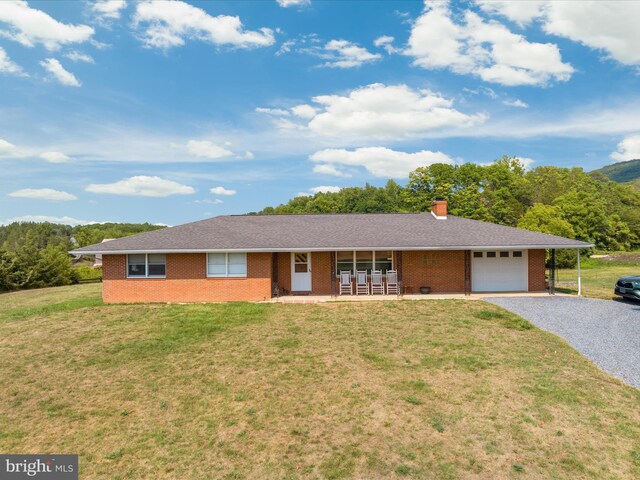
427	389
599	276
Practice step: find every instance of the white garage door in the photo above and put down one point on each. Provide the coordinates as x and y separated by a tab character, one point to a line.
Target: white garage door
499	271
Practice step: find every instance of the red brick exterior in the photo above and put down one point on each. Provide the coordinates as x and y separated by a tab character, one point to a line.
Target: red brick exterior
186	279
439	208
537	270
442	270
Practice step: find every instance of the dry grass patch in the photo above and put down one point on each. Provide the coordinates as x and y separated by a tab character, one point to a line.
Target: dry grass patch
437	389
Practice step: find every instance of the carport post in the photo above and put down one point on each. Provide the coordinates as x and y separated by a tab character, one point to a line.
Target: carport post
579	279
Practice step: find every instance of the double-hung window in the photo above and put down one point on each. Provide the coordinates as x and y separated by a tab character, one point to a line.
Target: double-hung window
227	265
147	265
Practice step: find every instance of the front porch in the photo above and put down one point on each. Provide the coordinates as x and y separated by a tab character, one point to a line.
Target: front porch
408	297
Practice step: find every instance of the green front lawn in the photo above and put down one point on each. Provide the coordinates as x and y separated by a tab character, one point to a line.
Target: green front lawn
430	389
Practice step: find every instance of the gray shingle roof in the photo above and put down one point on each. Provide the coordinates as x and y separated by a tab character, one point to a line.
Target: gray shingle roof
383	231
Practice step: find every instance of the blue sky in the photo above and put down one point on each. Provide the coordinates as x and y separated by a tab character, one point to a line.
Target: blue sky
169	112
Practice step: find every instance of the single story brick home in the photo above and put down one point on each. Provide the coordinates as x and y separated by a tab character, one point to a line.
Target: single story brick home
257	257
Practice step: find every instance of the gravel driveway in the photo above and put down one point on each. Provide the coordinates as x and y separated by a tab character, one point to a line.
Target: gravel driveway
604	331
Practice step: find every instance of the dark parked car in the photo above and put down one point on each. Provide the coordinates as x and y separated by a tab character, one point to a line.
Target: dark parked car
628	287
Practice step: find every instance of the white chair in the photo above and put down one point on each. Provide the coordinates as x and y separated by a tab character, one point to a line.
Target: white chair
346	285
392	282
377	287
362	286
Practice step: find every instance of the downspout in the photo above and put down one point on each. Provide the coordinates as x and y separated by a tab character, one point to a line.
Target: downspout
579	279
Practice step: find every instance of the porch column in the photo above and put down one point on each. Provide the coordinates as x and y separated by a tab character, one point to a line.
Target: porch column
552	273
579	279
333	274
467	272
399	270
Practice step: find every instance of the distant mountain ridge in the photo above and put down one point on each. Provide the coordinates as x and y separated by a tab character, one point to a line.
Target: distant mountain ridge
622	172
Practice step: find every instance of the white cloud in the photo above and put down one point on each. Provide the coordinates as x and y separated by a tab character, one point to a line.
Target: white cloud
47	218
43	194
304	111
54	157
30	26
211	201
345	54
484	49
303	194
207	149
516	103
526	162
9	66
279	112
387	112
520	12
79	57
481	90
627	149
386	42
109	8
325	189
222	191
170	24
63	76
293	3
380	161
142	186
8	149
611	26
328	169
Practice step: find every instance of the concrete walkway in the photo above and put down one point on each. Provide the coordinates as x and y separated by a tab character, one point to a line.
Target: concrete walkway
385	298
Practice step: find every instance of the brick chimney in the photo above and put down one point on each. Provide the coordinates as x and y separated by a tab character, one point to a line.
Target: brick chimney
439	208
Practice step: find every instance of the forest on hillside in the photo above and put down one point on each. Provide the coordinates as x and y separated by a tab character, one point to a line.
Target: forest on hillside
34	255
560	201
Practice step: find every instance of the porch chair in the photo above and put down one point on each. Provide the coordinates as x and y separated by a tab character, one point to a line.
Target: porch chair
362	286
346	285
377	287
392	282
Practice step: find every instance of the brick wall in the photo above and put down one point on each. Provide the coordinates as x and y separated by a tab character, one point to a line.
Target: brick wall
442	270
537	270
186	281
284	272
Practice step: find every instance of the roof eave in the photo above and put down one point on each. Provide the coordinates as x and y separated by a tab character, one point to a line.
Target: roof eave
333	249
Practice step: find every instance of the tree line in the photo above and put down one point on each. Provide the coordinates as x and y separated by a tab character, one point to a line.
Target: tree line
34	255
560	201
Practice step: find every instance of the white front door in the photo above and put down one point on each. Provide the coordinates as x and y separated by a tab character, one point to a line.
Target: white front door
301	272
499	271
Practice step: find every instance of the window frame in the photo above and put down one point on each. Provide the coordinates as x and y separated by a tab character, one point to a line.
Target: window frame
354	260
146	266
226	265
